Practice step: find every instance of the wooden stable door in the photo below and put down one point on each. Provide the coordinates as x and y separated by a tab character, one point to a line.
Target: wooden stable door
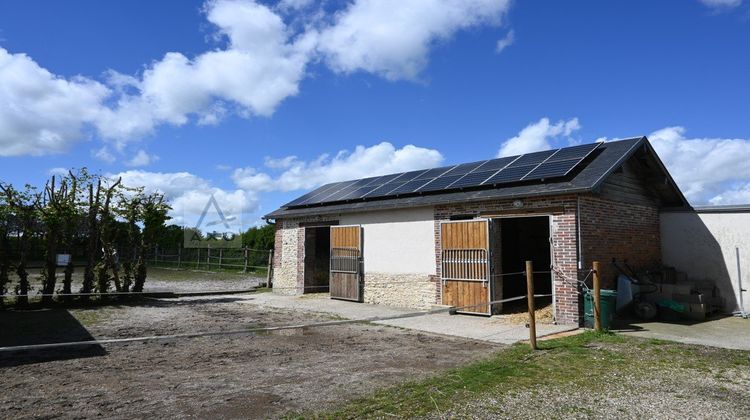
465	272
346	263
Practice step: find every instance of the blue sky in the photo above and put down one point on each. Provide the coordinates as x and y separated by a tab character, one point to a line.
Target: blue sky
258	102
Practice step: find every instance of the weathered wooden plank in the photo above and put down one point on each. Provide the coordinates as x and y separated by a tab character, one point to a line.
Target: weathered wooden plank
465	247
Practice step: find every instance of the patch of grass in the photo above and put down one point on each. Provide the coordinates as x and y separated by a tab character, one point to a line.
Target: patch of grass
588	360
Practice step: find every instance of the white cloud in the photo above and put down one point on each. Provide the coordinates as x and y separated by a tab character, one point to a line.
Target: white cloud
714	170
42	113
363	162
537	136
142	159
737	195
260	67
104	155
261	60
58	171
188	194
393	38
506	41
721	4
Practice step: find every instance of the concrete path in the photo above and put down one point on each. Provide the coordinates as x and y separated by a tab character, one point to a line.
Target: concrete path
728	333
490	329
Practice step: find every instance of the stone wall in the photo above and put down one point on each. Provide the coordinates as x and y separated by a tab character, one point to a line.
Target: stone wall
402	290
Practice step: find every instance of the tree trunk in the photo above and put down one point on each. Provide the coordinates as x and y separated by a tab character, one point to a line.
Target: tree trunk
50	268
23	286
89	274
140	275
68	280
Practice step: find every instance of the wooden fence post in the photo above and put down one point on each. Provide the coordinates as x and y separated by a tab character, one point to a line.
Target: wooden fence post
208	258
269	270
179	256
221	256
244	268
198	261
532	307
156	254
597	298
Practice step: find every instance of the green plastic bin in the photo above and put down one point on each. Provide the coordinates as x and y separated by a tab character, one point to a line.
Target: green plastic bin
608	306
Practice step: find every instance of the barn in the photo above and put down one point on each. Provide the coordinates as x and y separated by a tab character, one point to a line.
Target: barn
459	235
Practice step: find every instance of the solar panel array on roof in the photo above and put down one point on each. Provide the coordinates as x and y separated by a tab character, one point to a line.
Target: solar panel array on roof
529	167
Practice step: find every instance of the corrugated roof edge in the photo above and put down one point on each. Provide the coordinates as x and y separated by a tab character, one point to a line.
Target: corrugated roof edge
418	201
730	208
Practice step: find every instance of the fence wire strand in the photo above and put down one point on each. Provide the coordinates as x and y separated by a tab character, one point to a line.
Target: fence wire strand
47	346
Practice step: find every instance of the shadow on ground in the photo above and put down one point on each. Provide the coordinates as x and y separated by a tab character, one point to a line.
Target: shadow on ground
20	328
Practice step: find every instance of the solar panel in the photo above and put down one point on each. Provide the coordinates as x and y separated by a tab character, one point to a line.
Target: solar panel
408	176
433	173
408	187
575	152
388	178
340	194
311	194
375	180
510	174
440	183
496	164
528	167
383	190
464	168
532	158
359	192
552	169
323	196
473	179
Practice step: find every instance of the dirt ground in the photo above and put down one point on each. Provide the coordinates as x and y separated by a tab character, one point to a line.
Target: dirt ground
244	376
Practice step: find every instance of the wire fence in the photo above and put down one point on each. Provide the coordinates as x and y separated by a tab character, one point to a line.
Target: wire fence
259	261
530	296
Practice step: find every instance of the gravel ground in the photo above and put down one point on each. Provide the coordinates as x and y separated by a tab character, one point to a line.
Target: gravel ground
680	394
264	375
641	391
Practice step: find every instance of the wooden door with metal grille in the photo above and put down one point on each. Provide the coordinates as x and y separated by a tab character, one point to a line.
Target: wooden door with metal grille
465	270
346	263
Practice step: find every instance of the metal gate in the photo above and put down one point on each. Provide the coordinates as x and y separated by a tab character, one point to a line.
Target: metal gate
346	263
465	265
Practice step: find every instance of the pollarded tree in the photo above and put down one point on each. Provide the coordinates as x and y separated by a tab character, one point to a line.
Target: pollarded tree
153	215
107	235
58	205
130	209
5	224
92	234
22	206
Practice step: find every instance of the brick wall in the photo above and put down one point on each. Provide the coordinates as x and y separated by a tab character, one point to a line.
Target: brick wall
619	230
563	211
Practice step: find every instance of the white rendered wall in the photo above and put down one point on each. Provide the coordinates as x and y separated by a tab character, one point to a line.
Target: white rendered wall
397	241
704	246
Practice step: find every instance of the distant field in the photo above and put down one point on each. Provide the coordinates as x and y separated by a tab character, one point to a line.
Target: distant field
167	280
